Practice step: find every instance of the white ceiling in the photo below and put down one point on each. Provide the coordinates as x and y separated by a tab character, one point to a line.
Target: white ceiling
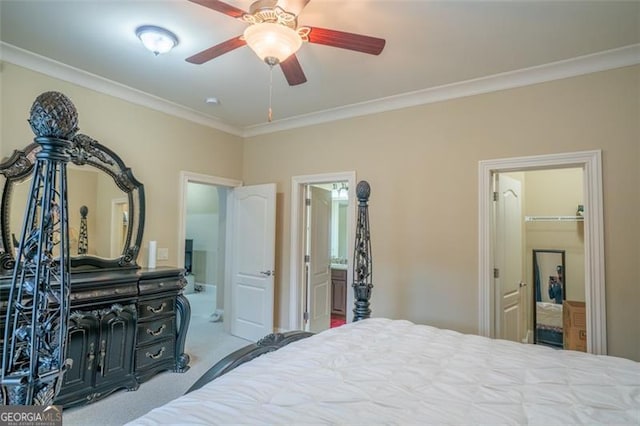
431	46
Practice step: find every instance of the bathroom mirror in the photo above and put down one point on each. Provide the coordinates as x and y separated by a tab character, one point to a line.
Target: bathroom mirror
549	280
105	201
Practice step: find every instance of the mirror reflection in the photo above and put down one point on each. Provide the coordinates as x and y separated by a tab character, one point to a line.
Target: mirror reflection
106	205
104	227
550	292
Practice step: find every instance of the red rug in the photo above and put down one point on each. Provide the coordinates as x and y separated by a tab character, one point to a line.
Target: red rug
337	321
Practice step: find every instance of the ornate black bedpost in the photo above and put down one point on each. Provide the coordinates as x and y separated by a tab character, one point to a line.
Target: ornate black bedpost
34	348
83	237
362	262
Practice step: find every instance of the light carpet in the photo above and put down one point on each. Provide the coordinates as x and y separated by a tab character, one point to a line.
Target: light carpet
207	343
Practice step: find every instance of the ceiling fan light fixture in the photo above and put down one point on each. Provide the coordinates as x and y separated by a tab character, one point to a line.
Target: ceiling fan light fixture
156	39
273	43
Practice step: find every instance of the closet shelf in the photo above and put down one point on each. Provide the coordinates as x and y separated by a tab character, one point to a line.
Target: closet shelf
553	218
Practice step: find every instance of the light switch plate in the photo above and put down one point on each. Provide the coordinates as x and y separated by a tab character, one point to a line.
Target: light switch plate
163	254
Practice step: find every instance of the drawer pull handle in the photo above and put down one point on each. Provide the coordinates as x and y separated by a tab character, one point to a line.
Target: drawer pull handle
91	357
156	356
103	354
157	332
157	310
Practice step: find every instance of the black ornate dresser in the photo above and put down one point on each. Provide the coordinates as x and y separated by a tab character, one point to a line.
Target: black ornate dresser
126	323
124	327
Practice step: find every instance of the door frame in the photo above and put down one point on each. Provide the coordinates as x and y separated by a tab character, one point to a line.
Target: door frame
591	164
296	259
186	178
117	248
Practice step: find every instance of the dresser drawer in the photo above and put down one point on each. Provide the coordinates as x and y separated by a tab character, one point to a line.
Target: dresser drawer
149	286
157	353
104	293
155	330
150	308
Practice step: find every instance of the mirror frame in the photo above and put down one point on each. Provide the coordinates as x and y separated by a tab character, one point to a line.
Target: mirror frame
535	255
84	151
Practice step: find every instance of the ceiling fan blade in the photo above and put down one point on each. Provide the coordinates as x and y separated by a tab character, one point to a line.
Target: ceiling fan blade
222	7
217	50
293	71
357	42
293	6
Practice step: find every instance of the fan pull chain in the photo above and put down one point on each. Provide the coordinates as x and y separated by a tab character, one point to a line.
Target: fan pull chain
270	91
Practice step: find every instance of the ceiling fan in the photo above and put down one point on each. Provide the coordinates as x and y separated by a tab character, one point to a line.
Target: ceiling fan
274	35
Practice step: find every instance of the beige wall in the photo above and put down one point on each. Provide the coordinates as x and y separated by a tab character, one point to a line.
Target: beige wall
422	164
155	145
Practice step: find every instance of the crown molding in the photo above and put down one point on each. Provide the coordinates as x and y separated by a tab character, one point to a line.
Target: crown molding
601	61
52	68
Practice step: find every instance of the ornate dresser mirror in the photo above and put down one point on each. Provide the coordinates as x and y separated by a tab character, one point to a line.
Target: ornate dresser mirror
106	205
72	220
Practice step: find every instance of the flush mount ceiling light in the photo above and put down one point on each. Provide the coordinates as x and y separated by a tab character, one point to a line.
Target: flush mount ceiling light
156	39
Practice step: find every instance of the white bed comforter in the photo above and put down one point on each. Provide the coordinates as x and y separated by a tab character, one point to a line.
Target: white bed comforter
380	371
549	314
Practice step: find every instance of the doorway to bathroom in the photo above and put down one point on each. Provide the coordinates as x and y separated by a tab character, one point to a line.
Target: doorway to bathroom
323	217
325	255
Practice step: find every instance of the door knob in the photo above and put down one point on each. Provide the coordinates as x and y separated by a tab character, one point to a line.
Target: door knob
267	273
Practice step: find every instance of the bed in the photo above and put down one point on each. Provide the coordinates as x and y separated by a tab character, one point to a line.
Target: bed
549	324
382	371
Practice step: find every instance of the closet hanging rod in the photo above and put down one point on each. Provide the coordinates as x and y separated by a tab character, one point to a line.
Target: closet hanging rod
553	218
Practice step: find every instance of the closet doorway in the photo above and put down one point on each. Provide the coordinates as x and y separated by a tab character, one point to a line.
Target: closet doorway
490	294
538	212
323	219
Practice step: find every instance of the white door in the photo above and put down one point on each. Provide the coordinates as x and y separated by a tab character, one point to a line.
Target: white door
252	242
510	319
318	266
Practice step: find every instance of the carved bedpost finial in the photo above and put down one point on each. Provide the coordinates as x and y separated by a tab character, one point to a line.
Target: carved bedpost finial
83	238
35	339
363	191
53	115
362	261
